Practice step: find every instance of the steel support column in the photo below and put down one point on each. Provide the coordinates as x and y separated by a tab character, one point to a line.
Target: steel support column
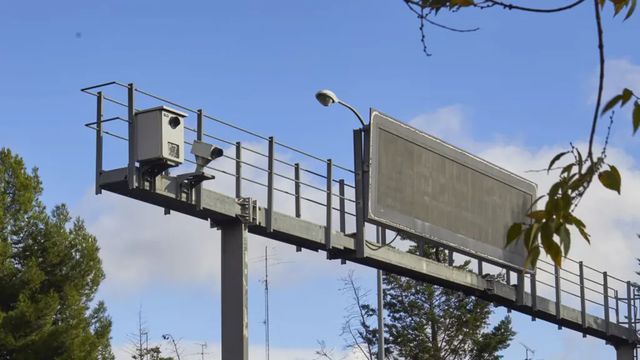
234	291
380	299
625	352
359	184
380	296
131	115
199	136
99	145
222	210
270	161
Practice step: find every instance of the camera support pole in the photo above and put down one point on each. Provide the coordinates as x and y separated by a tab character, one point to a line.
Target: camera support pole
234	291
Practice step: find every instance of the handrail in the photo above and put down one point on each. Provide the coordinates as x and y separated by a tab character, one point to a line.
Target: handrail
567	275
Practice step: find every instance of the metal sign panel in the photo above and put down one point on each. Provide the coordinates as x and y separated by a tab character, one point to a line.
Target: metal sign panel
426	188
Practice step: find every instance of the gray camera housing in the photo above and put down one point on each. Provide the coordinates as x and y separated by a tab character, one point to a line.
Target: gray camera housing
159	136
205	153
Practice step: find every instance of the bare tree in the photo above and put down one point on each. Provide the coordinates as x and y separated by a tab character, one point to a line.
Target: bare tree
139	340
356	329
323	352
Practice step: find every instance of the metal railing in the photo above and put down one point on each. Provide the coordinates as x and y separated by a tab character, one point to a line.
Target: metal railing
311	179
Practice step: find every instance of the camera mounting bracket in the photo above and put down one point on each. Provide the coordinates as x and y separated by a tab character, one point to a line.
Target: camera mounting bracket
187	182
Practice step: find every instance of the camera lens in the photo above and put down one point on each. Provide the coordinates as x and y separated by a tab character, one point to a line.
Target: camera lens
216	153
174	122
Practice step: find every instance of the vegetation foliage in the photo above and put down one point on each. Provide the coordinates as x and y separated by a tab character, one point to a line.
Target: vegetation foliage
49	273
548	229
424	321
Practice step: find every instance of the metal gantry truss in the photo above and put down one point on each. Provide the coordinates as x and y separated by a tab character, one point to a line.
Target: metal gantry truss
596	303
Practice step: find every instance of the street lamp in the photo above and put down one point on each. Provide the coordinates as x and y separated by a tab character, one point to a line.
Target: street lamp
328	97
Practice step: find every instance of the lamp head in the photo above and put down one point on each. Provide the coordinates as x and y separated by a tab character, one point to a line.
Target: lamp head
326	97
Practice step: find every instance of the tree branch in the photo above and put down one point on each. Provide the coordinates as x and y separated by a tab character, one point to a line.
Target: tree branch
596	112
350	282
450	28
357	343
510	6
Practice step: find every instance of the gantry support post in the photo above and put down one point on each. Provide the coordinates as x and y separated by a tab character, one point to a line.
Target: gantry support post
625	352
381	240
99	145
131	115
359	184
234	291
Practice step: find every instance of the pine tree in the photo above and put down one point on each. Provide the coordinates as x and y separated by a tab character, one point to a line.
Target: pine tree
50	271
426	322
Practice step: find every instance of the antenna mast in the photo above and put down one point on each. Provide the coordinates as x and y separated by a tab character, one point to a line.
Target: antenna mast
527	351
202	347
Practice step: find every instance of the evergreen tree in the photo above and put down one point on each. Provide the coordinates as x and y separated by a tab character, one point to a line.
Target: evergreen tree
49	273
426	322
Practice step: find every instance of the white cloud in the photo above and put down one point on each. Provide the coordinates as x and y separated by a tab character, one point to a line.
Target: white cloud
620	74
141	246
446	123
610	218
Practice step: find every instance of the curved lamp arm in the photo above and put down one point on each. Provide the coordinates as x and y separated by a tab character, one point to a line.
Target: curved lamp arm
353	111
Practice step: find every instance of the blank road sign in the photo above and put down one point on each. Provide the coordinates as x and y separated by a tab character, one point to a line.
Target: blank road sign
428	189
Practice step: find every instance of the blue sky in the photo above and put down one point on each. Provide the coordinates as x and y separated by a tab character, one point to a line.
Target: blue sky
514	92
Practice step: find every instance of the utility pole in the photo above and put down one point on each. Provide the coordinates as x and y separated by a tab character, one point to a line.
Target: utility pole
268	260
380	295
202	347
527	351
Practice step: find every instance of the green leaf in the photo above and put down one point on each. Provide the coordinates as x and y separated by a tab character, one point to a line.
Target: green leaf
611	179
533	204
632	8
575	221
461	3
583	179
556	158
626	96
565	238
513	233
580	161
546	233
552	207
636	117
537	215
584	234
550	247
531	236
613	102
618	6
565	203
532	258
567	169
527	238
